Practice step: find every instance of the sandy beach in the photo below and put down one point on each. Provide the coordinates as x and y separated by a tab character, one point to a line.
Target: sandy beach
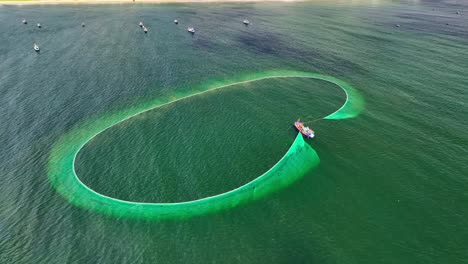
58	2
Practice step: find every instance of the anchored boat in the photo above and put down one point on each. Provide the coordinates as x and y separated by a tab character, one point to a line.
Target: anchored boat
305	131
141	24
191	30
36	47
24	21
246	22
176	21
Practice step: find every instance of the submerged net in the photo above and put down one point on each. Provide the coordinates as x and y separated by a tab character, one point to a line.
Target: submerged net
299	159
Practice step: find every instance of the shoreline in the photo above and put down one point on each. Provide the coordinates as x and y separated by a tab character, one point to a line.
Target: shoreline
100	2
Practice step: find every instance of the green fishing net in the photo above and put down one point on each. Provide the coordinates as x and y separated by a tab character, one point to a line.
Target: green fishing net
299	159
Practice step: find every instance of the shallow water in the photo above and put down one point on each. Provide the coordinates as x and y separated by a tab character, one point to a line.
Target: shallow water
391	186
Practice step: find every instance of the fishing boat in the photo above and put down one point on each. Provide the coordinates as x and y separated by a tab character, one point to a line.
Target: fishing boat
36	47
191	30
176	21
39	25
24	21
246	22
145	29
305	131
141	24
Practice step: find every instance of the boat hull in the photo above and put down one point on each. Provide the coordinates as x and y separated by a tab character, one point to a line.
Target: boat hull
299	127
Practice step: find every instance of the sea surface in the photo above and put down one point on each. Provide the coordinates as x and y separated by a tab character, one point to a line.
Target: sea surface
392	185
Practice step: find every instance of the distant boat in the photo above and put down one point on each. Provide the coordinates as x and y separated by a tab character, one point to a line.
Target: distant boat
141	24
82	24
397	25
24	21
191	30
39	25
36	47
145	29
305	131
246	22
176	21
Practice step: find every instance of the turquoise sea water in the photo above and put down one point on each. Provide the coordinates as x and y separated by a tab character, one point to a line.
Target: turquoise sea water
391	185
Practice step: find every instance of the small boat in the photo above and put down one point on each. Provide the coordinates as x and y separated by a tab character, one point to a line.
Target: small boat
82	24
246	22
176	21
191	30
24	21
397	25
141	24
145	29
36	47
305	131
39	25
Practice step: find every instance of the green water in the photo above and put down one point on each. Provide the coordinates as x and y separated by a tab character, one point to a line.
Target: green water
206	145
391	185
